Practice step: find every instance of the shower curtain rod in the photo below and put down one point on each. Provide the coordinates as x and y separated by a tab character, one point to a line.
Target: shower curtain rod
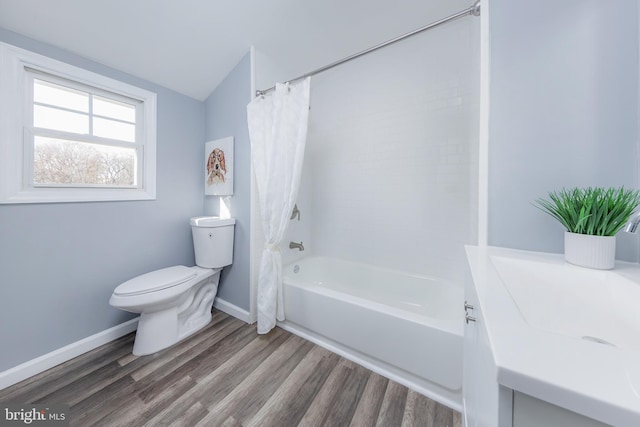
471	10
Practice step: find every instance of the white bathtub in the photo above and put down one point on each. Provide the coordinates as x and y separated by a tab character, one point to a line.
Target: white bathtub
406	327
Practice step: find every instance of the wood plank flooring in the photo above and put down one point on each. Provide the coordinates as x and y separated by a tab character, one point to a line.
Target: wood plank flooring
227	375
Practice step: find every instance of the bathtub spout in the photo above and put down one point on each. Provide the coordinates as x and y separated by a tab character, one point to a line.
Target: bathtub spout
298	246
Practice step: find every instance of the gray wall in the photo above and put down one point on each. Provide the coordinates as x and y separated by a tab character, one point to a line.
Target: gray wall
564	111
59	263
226	115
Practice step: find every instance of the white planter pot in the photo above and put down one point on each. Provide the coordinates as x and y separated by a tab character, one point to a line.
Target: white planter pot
590	251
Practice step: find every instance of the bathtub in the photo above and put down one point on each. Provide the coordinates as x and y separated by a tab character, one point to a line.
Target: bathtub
406	327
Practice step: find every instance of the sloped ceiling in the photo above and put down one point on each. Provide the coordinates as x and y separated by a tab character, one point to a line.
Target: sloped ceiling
191	45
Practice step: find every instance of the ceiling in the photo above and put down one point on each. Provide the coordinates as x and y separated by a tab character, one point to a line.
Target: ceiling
191	45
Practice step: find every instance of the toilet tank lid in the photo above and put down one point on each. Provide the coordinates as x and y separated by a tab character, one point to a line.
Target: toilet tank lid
211	221
156	280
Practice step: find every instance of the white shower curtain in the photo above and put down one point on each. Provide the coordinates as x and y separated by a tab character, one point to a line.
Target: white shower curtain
278	133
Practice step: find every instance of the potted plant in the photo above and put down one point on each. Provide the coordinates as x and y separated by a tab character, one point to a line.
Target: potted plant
592	217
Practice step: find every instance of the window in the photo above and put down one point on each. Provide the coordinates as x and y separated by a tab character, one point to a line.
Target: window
69	135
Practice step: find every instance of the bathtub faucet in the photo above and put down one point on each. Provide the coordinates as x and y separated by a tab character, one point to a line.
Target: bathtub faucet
298	246
633	223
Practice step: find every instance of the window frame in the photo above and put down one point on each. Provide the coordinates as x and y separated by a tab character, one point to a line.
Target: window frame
17	68
31	131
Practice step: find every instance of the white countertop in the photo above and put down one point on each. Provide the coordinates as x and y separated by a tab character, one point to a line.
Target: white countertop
598	381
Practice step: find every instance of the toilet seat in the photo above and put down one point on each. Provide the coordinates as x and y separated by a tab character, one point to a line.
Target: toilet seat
156	281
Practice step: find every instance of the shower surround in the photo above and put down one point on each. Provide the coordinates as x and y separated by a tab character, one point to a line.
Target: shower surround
390	172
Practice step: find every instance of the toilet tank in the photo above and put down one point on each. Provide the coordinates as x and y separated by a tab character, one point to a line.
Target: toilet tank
213	240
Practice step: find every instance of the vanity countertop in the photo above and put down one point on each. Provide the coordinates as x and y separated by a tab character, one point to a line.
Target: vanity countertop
562	333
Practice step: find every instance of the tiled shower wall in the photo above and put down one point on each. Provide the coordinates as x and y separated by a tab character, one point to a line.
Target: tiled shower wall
390	174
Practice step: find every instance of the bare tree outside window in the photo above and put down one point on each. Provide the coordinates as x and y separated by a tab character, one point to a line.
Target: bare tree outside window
71	162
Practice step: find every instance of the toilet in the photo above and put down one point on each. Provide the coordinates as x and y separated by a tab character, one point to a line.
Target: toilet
175	302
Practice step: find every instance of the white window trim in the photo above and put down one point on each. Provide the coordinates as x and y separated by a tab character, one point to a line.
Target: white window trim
14	114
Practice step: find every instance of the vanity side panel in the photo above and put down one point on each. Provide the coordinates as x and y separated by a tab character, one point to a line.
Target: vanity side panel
485	402
531	412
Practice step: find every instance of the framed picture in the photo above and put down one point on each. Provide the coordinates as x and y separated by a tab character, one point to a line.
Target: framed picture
218	171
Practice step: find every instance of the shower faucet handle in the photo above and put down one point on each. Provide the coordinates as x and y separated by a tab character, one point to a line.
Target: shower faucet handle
295	212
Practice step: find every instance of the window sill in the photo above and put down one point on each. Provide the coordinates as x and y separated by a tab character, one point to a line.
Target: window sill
52	195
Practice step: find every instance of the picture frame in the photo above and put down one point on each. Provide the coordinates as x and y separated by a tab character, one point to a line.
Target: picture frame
218	170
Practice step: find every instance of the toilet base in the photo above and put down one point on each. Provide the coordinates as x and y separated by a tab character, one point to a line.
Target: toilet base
164	328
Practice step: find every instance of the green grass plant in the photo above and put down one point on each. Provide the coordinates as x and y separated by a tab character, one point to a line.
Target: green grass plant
594	211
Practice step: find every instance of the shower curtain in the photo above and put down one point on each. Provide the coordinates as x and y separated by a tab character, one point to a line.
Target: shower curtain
278	133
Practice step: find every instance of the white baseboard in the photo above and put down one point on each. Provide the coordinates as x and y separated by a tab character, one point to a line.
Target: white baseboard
232	310
47	361
40	364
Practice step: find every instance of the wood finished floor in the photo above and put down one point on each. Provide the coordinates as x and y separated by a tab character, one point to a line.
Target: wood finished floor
227	375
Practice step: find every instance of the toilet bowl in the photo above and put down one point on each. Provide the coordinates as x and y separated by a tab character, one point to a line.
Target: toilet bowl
176	302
